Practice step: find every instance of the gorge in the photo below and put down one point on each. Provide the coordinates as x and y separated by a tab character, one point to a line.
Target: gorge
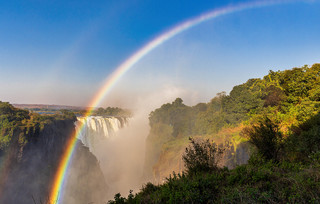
31	156
118	143
32	146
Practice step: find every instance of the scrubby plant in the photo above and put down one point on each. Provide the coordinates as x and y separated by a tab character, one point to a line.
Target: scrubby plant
201	156
266	137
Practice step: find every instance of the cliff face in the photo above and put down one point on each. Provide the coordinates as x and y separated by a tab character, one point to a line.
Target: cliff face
170	159
165	157
28	170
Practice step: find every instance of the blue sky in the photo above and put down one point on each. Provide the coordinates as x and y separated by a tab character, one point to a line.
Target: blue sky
60	52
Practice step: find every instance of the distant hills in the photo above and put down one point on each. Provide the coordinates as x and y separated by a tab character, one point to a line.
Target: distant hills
46	106
77	110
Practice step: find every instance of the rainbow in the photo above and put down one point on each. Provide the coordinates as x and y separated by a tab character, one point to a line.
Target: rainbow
59	178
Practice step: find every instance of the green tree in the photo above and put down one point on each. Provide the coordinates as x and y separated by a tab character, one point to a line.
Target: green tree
201	156
266	137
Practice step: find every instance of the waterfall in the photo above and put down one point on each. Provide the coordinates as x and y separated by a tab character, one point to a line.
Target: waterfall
98	128
118	143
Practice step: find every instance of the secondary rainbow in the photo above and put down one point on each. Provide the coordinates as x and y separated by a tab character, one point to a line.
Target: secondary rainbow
59	178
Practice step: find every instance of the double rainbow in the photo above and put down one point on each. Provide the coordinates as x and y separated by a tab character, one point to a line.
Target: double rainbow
66	158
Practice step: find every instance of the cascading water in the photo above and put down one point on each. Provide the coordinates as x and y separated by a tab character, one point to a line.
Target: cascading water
98	128
118	143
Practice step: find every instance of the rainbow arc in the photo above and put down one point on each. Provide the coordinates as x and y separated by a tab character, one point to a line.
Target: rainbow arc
56	193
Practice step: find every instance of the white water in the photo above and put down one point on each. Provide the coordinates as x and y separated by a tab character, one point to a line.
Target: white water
119	146
97	129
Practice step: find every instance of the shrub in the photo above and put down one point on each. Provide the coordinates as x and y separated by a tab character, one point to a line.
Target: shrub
201	156
267	137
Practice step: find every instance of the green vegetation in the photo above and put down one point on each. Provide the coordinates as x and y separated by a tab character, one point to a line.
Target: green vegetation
112	111
31	146
289	98
262	180
275	118
259	181
18	126
292	96
56	110
10	119
267	137
277	115
201	156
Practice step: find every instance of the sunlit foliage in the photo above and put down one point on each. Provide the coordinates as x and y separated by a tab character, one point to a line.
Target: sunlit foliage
17	126
281	119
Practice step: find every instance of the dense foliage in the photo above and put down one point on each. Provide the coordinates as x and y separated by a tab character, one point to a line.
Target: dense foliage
260	181
279	116
17	125
290	95
78	111
251	183
112	111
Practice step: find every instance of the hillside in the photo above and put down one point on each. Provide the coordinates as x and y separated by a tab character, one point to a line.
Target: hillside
289	97
273	120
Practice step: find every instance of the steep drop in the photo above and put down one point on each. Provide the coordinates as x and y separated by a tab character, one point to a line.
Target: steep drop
97	129
118	143
29	175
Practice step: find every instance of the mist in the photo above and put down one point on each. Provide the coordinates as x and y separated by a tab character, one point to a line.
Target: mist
121	156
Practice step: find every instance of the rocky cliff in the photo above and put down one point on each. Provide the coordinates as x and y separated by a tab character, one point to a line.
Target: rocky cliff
165	157
27	169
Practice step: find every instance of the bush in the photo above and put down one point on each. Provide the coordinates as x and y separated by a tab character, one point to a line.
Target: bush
201	156
266	136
